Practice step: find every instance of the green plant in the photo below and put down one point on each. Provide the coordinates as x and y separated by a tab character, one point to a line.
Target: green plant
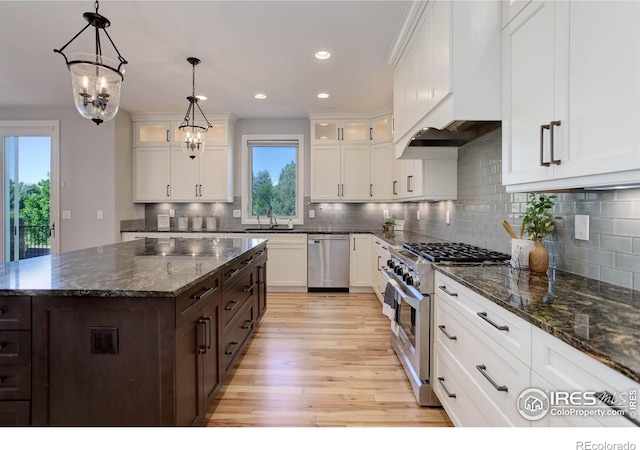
389	221
538	219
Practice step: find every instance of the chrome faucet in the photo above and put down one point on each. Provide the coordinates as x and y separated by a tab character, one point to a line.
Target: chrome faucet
272	220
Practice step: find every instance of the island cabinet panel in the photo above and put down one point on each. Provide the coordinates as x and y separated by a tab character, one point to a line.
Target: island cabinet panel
261	283
103	361
15	361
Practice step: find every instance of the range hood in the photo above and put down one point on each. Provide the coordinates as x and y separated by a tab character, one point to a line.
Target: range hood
428	143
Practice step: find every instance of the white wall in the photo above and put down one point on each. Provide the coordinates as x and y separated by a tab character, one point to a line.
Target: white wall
269	126
95	174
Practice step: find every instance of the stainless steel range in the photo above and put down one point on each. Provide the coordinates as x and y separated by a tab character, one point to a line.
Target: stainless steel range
410	272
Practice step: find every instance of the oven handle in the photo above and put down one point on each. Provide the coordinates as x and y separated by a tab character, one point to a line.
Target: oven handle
413	302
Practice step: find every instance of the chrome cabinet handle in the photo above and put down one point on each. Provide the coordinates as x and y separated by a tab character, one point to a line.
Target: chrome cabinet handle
607	398
542	128
168	191
442	328
248	288
168	136
354	244
444	289
231	273
207	319
482	369
206	293
379	262
338	189
203	347
395	190
247	324
446	391
483	316
555	123
231	348
371	134
371	190
231	305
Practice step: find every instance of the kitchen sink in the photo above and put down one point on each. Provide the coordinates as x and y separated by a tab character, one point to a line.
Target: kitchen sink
269	230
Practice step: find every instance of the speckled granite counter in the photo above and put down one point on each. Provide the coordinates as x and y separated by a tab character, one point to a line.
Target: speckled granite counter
141	268
597	318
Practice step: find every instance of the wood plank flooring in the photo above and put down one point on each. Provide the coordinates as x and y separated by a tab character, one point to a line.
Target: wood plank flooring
321	360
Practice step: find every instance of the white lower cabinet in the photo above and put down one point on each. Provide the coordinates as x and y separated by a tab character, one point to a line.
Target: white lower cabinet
491	366
379	257
360	261
287	262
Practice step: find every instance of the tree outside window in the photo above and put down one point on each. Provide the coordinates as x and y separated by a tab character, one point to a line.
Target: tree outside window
267	191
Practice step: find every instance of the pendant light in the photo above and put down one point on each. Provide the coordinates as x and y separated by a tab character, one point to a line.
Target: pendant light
96	79
192	132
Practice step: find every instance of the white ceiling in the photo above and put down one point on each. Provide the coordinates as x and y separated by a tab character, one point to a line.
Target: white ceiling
246	47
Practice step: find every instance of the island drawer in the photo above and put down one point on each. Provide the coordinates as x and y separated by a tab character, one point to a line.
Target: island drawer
234	339
235	298
15	414
195	297
15	382
15	313
15	347
233	271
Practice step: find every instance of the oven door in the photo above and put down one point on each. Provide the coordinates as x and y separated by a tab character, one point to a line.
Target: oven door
412	328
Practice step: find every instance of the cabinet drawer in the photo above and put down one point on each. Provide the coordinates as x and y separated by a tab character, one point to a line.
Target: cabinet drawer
498	376
15	313
15	348
233	342
234	270
570	370
15	414
455	395
507	329
235	298
15	382
195	297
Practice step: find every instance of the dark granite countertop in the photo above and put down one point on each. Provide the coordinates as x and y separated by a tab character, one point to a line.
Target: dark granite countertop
141	268
597	318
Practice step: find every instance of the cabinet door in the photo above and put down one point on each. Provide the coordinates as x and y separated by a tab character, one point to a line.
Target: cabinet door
424	48
215	174
381	129
211	363
356	172
325	131
184	179
411	81
442	50
151	176
287	265
529	61
325	173
360	260
355	130
152	133
603	89
189	371
399	101
382	171
412	185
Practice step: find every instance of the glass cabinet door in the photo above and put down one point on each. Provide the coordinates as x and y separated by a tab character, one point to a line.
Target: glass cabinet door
152	133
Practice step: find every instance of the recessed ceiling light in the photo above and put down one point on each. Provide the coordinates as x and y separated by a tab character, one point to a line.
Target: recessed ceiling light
201	97
323	95
260	96
323	54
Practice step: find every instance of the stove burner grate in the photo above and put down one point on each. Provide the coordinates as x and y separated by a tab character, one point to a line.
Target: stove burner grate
454	252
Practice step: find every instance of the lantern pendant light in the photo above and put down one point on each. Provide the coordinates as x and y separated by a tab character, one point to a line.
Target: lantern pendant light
96	79
192	132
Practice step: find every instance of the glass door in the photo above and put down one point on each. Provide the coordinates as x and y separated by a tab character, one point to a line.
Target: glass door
28	206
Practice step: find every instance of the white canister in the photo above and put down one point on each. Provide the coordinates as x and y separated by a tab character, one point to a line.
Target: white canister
183	223
196	223
212	223
520	253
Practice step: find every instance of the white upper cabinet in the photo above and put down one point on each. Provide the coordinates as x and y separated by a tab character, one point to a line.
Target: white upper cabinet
382	161
380	130
331	131
341	172
446	67
571	89
164	173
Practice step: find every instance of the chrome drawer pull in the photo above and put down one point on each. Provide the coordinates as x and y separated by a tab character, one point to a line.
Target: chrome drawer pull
608	399
203	347
247	325
231	273
232	346
483	316
231	305
482	369
446	391
444	289
248	288
206	293
453	338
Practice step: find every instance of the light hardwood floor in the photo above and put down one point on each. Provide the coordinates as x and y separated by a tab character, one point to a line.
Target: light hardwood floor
321	360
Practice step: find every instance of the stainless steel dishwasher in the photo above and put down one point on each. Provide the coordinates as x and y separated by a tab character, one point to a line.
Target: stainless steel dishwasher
328	262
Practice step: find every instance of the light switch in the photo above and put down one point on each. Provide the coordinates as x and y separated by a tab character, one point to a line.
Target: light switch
312	213
66	214
237	213
100	214
582	227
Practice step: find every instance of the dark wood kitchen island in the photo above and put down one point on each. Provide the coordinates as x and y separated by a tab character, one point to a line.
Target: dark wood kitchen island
140	333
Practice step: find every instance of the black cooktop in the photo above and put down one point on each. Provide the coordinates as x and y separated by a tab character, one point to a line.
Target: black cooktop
455	252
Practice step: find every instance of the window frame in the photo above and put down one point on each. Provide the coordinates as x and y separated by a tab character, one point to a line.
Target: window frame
247	218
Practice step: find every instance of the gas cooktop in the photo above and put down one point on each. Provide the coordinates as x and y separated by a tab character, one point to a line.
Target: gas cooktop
455	252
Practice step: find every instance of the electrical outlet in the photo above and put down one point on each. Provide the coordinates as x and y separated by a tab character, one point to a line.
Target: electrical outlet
418	215
582	227
385	213
104	340
237	213
100	214
172	213
312	213
66	214
447	217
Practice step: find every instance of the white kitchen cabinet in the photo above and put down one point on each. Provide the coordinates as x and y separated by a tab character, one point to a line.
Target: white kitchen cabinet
382	161
435	179
487	343
341	172
163	173
152	174
331	131
380	130
446	67
204	178
287	262
127	236
563	368
360	261
566	122
379	257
